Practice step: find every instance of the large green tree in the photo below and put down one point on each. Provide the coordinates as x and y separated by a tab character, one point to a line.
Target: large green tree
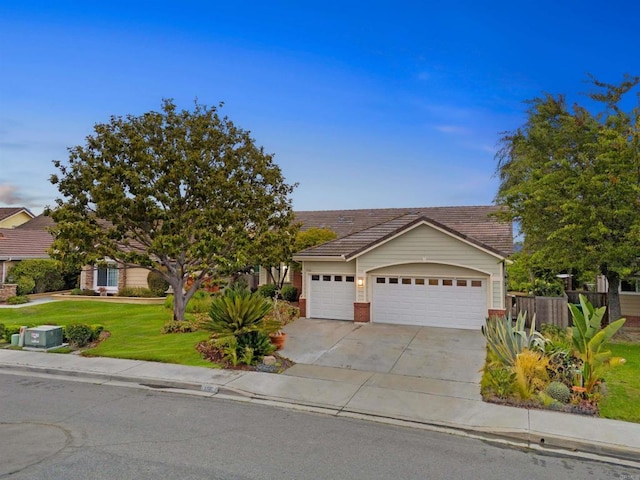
571	177
276	249
185	194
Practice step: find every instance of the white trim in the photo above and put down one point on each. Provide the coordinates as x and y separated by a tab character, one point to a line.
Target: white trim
109	289
412	262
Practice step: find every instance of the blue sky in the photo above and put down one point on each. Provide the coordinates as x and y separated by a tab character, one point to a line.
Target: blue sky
364	104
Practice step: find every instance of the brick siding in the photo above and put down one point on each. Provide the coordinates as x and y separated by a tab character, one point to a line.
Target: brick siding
362	312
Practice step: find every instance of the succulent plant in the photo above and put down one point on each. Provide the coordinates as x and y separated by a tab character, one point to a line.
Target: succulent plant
506	338
558	391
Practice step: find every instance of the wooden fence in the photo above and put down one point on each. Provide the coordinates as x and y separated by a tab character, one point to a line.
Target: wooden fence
596	299
553	310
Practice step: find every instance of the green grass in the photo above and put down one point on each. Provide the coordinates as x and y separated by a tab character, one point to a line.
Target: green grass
135	329
622	401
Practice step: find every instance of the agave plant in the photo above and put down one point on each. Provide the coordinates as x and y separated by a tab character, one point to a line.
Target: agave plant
238	313
506	340
588	339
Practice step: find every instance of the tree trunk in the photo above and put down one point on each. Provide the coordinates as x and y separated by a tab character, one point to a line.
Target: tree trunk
179	305
179	297
613	297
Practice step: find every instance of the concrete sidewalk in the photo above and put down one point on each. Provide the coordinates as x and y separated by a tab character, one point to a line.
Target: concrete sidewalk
392	398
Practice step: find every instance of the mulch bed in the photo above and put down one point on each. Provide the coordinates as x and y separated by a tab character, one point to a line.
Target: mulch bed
583	408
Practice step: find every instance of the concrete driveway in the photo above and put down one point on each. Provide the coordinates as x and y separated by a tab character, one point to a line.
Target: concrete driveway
450	355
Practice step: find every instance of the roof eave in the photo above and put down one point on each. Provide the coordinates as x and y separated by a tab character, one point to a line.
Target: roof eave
320	258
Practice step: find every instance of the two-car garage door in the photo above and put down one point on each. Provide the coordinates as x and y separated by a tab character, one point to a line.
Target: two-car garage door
438	302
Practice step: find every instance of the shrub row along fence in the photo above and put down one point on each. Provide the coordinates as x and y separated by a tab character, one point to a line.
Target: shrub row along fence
552	310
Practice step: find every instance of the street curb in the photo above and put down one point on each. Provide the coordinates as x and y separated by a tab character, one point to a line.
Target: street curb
537	441
150	382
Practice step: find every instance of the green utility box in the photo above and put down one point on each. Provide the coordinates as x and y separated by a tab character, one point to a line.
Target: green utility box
44	336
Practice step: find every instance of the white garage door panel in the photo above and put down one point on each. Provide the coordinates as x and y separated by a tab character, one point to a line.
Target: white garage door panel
460	305
332	296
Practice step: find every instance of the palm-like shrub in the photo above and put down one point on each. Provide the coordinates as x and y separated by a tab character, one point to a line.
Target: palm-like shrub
237	313
589	338
506	340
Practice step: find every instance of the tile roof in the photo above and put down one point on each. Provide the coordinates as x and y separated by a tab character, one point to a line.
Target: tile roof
41	222
357	230
20	244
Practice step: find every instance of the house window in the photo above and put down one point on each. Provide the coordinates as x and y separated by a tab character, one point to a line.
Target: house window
433	282
447	283
461	283
315	278
393	280
419	281
380	280
630	285
476	283
106	277
326	278
349	278
406	281
337	278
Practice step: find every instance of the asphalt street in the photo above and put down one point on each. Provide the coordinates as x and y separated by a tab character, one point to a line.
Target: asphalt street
59	429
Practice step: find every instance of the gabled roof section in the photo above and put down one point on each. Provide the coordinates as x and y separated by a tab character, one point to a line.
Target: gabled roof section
29	240
41	222
7	212
472	224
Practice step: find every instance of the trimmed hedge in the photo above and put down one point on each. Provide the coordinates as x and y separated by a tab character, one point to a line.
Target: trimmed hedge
289	293
268	290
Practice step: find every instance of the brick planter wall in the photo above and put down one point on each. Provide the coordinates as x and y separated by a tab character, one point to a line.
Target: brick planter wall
8	290
632	321
362	312
302	305
497	312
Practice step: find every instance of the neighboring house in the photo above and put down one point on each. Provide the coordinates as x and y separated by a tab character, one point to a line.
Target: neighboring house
31	240
437	266
11	217
27	241
629	297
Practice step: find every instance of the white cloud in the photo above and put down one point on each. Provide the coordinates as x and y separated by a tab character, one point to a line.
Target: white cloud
452	129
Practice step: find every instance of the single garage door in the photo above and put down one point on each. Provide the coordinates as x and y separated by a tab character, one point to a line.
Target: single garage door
331	296
437	302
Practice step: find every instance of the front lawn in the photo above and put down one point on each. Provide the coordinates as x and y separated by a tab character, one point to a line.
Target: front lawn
135	329
622	401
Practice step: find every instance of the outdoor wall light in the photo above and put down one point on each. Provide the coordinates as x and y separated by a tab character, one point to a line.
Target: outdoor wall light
361	282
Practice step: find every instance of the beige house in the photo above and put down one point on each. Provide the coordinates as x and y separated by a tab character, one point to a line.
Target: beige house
112	277
629	297
11	217
438	266
32	240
